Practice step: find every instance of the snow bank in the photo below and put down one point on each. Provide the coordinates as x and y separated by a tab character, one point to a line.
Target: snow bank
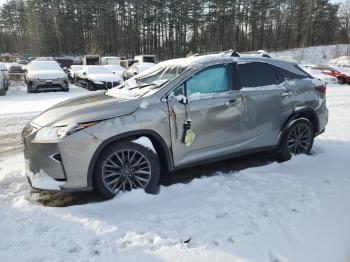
294	211
316	54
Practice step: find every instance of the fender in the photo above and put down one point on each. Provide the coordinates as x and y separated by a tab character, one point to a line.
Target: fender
167	159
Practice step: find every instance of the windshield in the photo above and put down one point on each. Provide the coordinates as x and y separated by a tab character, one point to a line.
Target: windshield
44	66
98	70
148	82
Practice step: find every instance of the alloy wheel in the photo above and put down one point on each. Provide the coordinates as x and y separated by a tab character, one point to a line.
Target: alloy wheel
125	170
299	139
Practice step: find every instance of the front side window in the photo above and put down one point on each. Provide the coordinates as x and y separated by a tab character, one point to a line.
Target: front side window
256	74
208	81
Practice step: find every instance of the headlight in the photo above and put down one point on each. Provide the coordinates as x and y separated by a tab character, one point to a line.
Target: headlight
53	134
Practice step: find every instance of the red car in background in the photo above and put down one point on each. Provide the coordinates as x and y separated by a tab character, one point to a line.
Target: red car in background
343	77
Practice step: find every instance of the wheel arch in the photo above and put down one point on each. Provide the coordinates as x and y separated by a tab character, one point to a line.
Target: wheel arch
307	113
163	151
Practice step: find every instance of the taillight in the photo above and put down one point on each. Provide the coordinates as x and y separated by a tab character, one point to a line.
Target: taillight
321	89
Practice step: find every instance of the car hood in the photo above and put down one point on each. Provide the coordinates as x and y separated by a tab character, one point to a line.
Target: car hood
89	108
46	74
104	77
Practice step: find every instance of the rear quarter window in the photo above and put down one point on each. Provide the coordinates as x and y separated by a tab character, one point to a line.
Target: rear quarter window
288	75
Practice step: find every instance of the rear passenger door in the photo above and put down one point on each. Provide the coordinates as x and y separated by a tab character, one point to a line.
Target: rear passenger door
266	102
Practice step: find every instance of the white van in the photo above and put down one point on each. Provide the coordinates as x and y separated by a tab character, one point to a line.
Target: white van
92	60
110	60
145	59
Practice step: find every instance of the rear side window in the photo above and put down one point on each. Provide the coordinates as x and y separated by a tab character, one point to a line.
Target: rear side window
255	74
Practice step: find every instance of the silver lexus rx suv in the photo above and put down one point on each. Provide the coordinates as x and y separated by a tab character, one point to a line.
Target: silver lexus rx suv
180	113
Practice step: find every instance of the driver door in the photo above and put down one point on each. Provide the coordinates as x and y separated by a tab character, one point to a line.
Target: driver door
214	111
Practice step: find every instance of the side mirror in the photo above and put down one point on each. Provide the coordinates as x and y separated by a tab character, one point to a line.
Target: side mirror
64	68
135	73
182	99
84	73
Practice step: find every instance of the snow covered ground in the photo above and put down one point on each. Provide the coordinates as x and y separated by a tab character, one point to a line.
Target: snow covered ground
295	211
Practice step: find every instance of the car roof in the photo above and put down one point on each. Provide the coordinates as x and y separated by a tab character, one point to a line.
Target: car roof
198	61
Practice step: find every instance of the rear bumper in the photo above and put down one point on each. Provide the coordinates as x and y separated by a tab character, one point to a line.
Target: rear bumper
323	120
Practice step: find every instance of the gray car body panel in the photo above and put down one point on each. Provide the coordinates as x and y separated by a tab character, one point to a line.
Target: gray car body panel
87	108
253	119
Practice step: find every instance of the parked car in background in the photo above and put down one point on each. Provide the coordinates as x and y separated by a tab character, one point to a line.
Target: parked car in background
116	69
181	113
91	60
5	72
3	84
136	69
64	63
73	72
46	76
110	60
145	59
319	75
22	62
126	63
44	58
329	70
15	68
97	78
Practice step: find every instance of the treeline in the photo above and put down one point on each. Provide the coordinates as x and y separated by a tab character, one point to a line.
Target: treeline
167	28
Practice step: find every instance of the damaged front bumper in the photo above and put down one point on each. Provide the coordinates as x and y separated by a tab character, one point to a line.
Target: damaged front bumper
61	165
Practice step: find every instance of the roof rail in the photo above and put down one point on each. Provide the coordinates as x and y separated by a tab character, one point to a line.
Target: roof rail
263	53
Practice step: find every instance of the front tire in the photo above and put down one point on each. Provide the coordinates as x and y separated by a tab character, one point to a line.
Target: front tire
297	139
125	166
90	86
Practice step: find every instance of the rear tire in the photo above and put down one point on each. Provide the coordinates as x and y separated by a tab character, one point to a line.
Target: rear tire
124	166
341	81
297	139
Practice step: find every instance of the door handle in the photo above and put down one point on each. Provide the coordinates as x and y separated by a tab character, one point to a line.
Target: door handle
286	94
230	102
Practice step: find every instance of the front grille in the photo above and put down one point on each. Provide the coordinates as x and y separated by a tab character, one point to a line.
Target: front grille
48	86
109	85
